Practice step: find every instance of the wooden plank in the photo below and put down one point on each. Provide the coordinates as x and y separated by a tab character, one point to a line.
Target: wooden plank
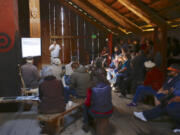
144	12
116	16
48	117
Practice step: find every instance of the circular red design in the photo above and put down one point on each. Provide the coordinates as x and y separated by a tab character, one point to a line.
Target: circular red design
5	42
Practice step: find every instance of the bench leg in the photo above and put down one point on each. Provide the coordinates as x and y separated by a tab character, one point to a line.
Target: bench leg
53	127
60	125
102	126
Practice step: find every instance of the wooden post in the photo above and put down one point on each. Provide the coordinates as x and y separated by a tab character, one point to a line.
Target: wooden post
35	28
160	44
110	36
34	10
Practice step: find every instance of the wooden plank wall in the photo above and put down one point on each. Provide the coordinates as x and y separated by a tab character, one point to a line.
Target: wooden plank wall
51	27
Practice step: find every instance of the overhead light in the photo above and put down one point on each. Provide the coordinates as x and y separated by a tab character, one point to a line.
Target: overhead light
151	29
124	30
75	6
80	9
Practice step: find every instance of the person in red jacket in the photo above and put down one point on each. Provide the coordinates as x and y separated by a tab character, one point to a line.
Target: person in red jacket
153	81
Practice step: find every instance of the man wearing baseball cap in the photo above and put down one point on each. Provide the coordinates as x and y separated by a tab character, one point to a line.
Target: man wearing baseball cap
172	106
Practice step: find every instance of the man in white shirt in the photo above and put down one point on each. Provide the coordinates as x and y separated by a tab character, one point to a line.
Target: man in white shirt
54	49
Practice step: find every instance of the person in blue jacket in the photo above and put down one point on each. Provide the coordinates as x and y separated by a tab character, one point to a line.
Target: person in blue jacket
170	102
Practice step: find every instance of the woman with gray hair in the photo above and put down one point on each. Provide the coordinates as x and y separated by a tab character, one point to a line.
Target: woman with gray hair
56	68
50	93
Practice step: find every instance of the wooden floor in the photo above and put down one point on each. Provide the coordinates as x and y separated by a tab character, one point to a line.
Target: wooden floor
122	122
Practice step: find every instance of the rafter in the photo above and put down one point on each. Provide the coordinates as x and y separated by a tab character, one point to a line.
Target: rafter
150	4
144	12
64	3
94	14
98	16
116	16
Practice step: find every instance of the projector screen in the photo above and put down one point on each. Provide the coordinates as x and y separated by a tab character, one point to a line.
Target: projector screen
31	47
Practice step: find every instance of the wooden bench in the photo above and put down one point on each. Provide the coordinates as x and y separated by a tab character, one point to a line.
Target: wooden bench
53	123
25	92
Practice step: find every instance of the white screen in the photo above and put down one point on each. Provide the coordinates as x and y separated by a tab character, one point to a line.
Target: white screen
31	47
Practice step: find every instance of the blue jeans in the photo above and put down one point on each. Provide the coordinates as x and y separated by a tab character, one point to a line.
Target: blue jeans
68	92
119	78
172	109
143	91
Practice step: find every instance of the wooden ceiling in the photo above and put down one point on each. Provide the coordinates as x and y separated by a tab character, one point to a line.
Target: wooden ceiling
130	16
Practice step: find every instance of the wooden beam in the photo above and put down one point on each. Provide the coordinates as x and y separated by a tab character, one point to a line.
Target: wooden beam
94	14
91	12
70	37
150	4
144	12
116	16
85	17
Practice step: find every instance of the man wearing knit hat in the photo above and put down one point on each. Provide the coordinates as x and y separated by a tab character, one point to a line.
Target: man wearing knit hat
172	106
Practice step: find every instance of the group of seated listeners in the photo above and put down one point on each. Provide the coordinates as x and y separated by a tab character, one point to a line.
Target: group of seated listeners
58	84
131	69
135	70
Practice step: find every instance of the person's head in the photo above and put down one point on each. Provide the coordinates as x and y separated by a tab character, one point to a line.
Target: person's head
29	60
74	65
116	49
56	61
54	42
149	65
99	75
135	42
99	62
174	70
74	59
126	57
120	59
121	42
46	71
129	41
124	50
104	48
151	43
147	42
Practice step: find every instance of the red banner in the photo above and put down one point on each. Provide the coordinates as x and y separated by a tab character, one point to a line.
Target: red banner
8	24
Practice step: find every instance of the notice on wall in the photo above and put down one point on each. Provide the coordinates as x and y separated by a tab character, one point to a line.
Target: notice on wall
31	47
